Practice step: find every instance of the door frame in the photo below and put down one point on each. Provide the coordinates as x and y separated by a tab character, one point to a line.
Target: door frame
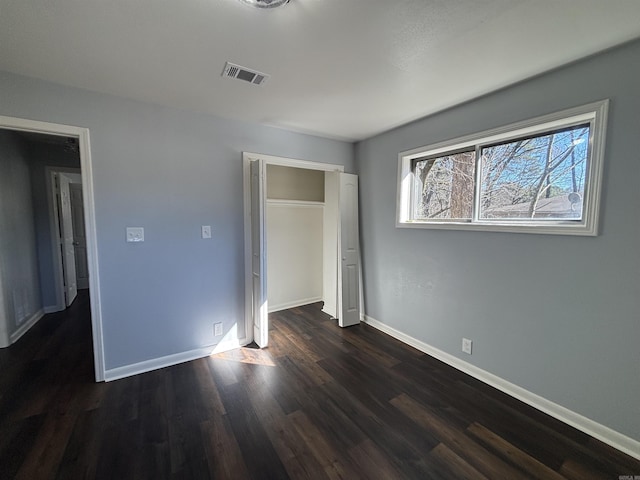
248	157
82	134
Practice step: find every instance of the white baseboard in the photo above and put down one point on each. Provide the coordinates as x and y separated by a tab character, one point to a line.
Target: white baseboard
603	433
331	312
170	360
24	328
294	303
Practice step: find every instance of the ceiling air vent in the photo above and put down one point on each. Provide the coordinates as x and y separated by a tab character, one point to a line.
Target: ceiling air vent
242	73
266	3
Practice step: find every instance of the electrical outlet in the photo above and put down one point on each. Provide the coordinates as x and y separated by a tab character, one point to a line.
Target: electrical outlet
466	345
135	234
217	329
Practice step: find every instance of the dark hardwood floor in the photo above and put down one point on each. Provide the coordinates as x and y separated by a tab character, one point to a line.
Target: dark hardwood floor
320	402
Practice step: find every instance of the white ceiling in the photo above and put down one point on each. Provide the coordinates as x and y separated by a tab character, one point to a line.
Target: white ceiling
346	69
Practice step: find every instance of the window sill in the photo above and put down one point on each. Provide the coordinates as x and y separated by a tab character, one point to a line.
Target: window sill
552	228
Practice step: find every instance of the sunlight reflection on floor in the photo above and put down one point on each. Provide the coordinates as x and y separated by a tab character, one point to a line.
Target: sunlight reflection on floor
253	356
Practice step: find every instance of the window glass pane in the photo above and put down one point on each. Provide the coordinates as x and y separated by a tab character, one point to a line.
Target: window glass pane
540	177
444	187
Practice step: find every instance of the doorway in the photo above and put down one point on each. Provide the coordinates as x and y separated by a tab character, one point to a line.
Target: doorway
81	137
296	206
68	234
340	253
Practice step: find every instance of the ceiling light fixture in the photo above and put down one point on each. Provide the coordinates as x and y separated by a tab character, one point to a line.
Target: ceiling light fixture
266	3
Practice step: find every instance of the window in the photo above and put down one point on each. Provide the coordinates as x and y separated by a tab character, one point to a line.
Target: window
538	176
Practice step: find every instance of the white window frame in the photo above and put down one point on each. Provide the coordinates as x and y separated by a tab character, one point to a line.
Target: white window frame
595	114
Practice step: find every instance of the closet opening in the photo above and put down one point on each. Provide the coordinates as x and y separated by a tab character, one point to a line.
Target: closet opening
301	240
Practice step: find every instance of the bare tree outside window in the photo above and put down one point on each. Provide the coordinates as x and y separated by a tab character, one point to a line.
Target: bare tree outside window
445	187
541	177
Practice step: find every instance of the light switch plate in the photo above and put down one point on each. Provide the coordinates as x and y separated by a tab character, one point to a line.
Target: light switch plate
135	234
206	231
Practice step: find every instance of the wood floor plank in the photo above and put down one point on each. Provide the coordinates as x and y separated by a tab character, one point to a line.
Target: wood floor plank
371	462
83	448
332	460
573	470
48	447
503	449
211	397
371	352
184	414
608	456
292	449
39	400
225	372
307	363
16	442
261	459
121	449
338	418
540	442
321	402
393	433
451	465
473	453
224	457
295	339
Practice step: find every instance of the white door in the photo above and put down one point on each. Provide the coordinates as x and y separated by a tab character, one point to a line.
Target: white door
67	247
349	253
259	254
79	236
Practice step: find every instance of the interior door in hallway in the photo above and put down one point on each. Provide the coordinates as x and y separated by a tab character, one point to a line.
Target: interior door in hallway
66	243
79	236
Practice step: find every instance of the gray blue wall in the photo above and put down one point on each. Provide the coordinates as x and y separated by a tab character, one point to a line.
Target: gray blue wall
19	285
169	171
556	315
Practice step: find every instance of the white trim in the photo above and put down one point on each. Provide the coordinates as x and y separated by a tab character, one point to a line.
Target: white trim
82	134
276	202
247	157
171	360
330	313
595	113
24	328
293	162
603	433
248	285
293	304
92	252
